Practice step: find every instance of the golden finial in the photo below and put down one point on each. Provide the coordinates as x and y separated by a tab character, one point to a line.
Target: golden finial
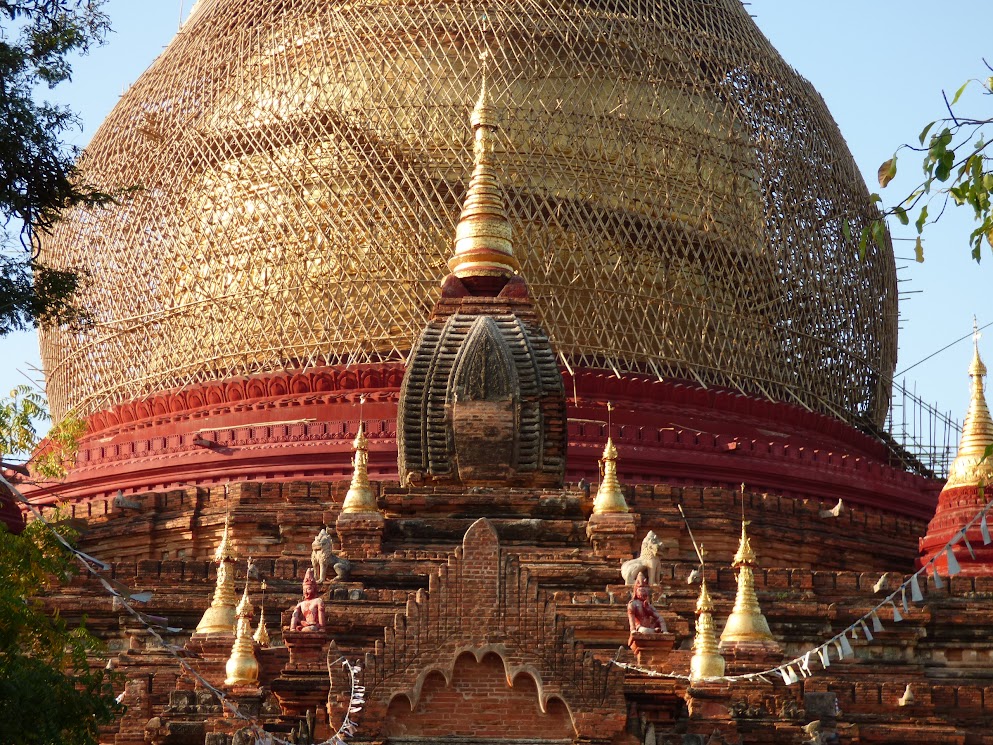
242	668
261	635
224	551
977	432
745	556
609	497
219	618
703	603
245	608
707	661
360	497
483	236
746	622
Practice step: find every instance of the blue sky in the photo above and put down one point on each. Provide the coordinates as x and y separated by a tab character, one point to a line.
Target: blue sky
879	64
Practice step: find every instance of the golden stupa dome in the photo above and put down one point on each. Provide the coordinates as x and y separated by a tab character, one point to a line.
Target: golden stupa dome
676	191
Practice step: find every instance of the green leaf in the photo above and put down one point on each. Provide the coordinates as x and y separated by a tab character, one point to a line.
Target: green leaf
919	251
925	131
875	198
846	230
887	171
944	168
960	91
921	220
863	239
879	235
901	215
939	143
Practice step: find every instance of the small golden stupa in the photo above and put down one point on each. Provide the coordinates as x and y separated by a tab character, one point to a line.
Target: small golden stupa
360	497
219	618
746	624
977	431
707	661
261	635
242	668
609	497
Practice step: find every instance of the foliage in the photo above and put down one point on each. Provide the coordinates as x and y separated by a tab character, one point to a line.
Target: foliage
48	691
18	415
19	436
38	174
958	169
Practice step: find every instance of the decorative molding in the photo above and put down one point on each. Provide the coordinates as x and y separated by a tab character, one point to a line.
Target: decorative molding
481	601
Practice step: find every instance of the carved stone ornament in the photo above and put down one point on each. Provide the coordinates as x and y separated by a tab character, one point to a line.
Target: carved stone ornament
308	614
647	561
508	617
324	562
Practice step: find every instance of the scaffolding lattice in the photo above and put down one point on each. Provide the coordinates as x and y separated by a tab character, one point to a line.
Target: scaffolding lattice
677	192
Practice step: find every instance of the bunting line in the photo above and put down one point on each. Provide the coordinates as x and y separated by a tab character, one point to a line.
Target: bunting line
840	641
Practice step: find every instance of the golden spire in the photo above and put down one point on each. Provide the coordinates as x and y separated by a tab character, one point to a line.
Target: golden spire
224	551
219	618
483	236
746	622
706	661
242	668
977	432
261	635
609	497
360	497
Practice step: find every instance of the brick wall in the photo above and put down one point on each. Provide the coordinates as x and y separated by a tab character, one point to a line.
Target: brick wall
479	702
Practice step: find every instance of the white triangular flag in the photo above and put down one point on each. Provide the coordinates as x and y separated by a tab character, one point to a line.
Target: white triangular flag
984	529
805	664
846	647
792	675
965	540
825	656
786	676
953	563
838	648
877	625
865	630
937	577
915	589
903	600
896	613
109	587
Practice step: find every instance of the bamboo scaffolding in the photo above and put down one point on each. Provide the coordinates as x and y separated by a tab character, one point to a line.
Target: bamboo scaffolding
677	194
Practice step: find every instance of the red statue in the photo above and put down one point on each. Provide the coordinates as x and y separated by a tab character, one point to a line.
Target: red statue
308	614
642	616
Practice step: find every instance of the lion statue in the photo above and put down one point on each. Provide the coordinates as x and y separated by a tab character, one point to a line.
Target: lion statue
324	561
647	562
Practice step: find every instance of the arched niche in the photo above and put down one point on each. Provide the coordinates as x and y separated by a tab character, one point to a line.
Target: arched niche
480	701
